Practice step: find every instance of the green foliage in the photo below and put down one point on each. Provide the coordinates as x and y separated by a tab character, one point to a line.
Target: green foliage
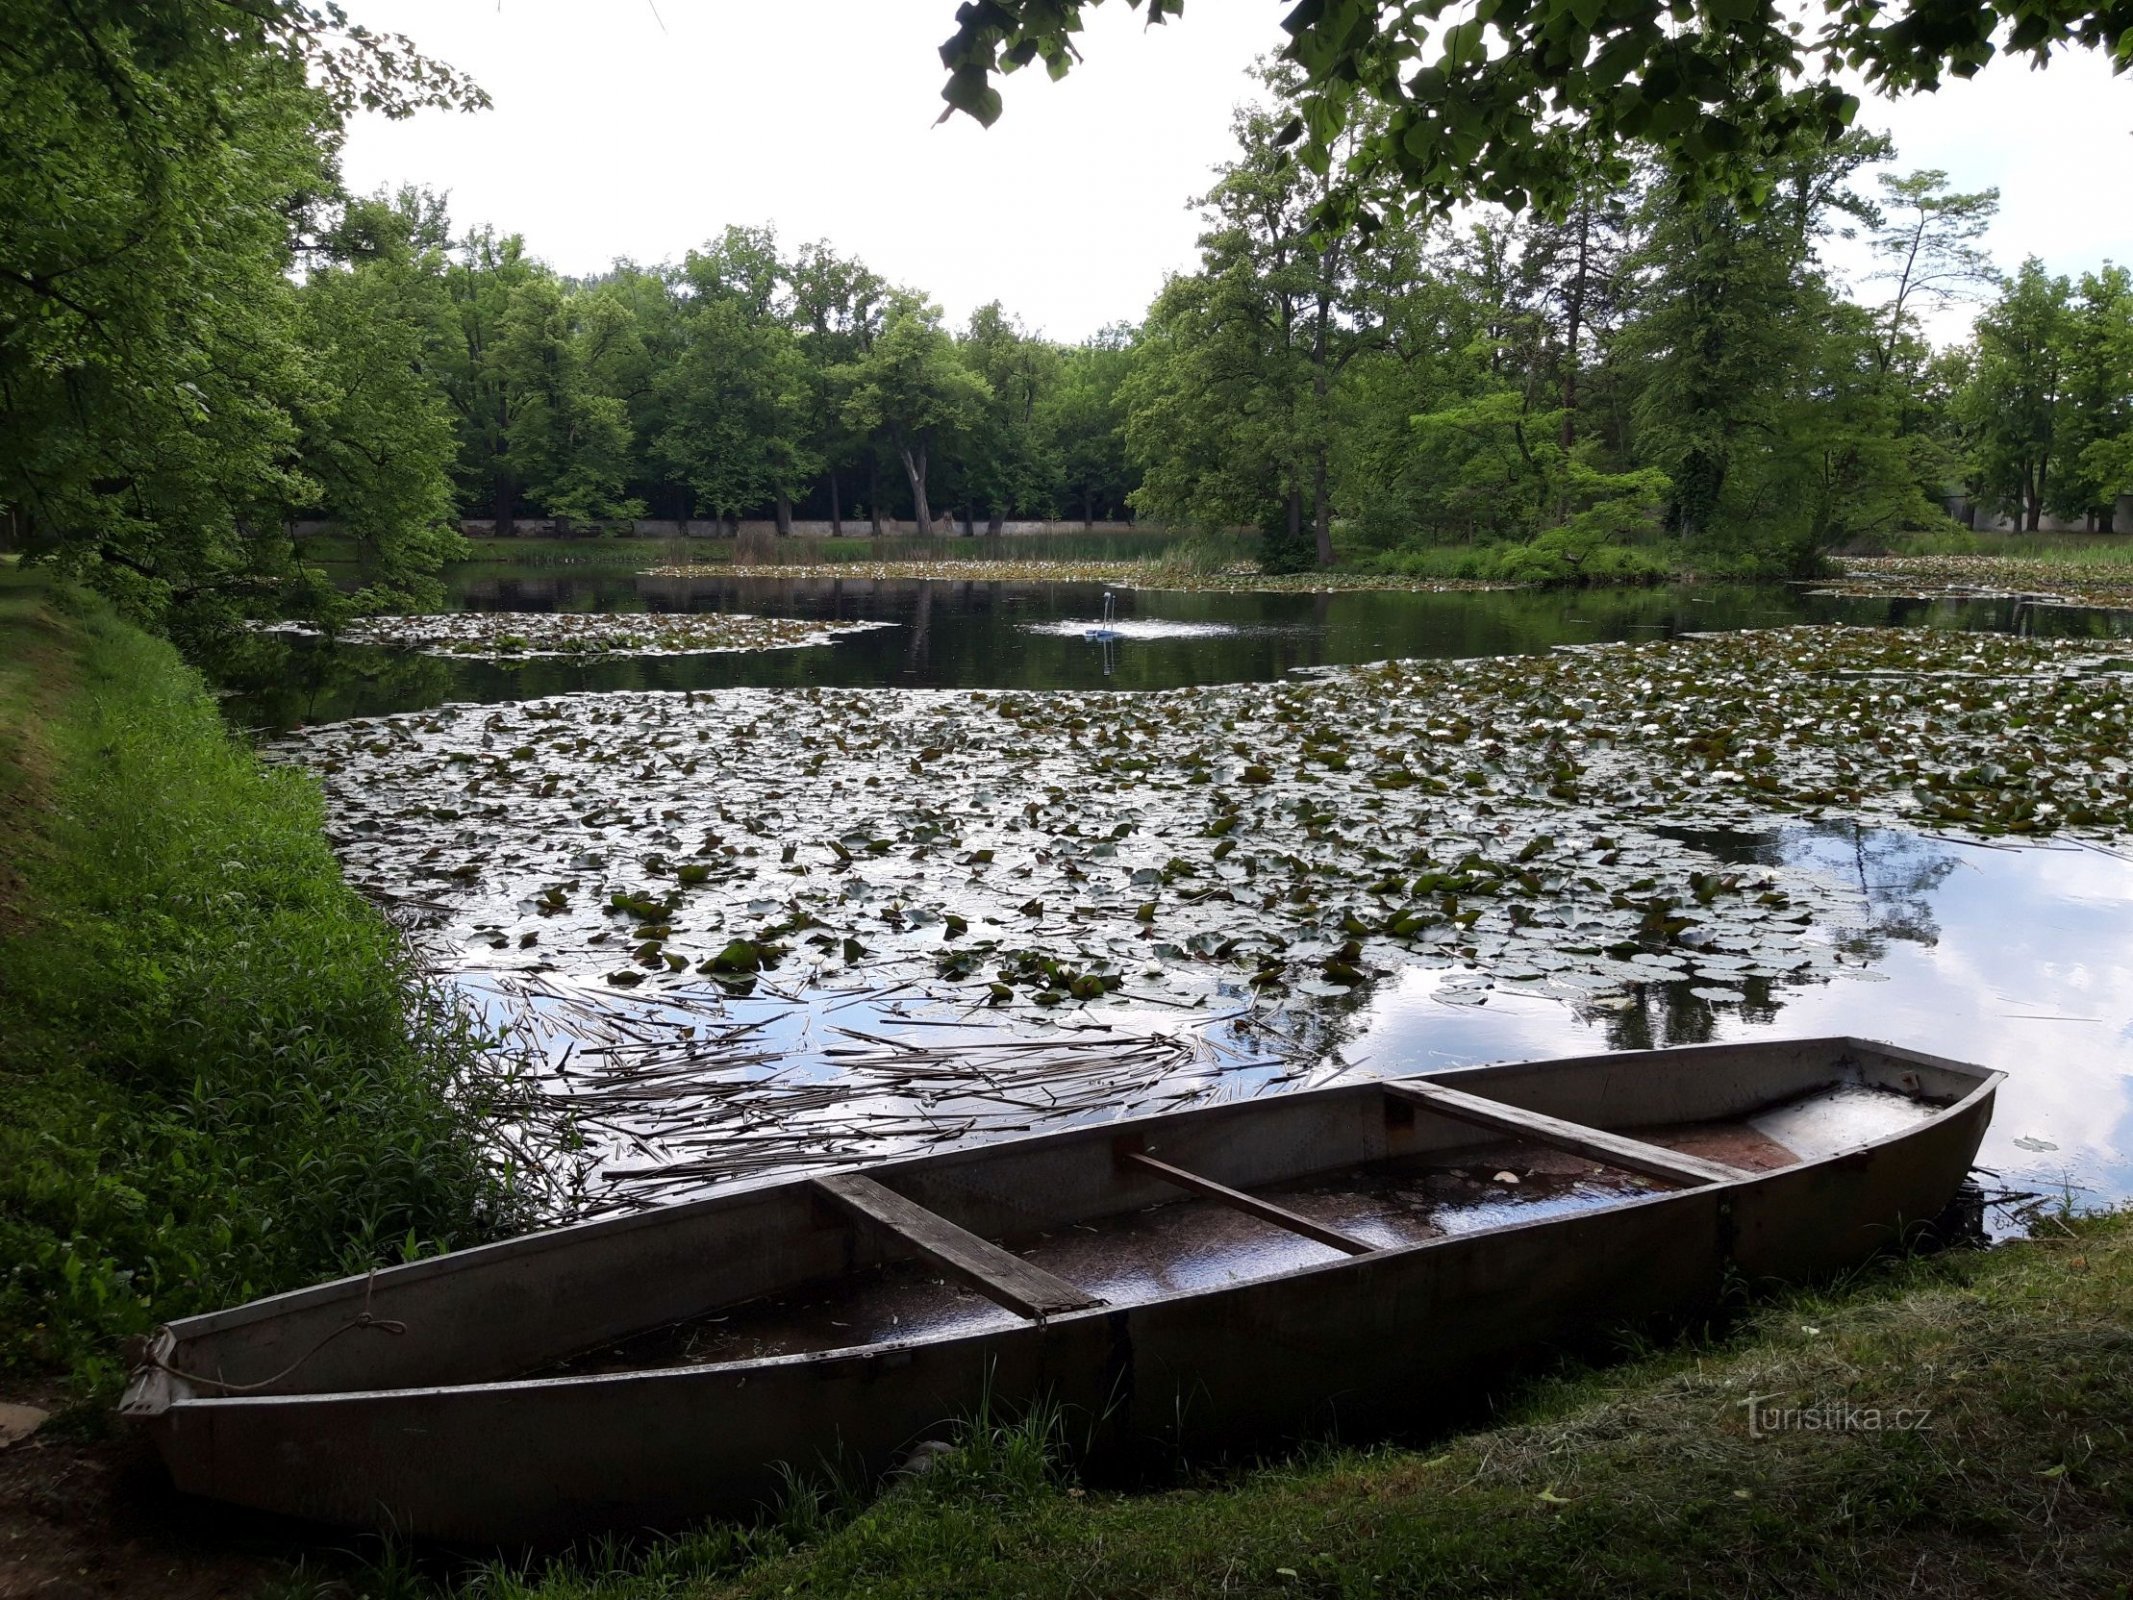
2010	407
160	164
1501	104
910	388
738	399
220	1074
1233	406
377	435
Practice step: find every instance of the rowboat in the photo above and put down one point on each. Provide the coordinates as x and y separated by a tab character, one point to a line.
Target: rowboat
1232	1276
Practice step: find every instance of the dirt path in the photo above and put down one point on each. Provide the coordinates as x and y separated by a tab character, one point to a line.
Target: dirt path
84	1516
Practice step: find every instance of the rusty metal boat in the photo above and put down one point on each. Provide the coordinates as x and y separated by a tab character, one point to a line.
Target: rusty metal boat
1240	1274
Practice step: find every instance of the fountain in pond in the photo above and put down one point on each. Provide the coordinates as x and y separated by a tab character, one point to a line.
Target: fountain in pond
1107	629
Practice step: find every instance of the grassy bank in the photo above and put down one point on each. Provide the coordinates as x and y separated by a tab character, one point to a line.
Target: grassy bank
2010	1372
219	1075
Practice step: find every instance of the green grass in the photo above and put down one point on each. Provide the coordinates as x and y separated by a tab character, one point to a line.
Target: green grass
1639	1478
220	1074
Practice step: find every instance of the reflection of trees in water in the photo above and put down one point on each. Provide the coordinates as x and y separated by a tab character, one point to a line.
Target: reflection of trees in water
279	682
1661	1014
1896	874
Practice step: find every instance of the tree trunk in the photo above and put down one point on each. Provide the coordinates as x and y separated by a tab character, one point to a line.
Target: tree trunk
502	508
1321	509
1088	509
836	510
915	470
993	523
874	494
970	521
782	509
1573	328
1296	517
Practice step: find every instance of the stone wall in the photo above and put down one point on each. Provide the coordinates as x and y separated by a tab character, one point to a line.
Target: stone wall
1987	519
753	528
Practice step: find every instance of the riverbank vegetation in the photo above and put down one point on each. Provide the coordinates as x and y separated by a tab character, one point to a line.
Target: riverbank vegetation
1650	378
221	1074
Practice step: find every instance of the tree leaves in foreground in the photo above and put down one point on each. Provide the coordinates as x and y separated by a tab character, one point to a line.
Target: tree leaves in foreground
1493	103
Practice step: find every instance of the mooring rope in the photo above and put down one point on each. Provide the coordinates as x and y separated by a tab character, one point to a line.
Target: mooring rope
362	1319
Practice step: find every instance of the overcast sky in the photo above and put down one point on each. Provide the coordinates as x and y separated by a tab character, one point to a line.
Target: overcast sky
619	130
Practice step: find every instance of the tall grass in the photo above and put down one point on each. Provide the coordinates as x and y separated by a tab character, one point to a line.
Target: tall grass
220	1072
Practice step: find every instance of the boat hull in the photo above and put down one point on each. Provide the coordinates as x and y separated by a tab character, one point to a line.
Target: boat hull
1359	1347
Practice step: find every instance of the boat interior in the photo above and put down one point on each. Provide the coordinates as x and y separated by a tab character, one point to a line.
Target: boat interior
999	1236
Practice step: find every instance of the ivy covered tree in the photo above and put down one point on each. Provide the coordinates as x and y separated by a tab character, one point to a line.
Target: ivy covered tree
1233	414
2011	406
738	397
1009	456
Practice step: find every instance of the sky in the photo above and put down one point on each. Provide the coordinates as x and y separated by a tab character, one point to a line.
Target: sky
639	128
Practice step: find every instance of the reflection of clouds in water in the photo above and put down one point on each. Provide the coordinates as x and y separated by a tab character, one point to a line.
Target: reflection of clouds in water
2013	958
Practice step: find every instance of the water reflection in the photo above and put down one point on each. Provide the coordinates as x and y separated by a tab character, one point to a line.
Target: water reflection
994	636
2012	957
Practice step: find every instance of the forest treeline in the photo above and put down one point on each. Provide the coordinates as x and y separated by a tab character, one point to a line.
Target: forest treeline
206	339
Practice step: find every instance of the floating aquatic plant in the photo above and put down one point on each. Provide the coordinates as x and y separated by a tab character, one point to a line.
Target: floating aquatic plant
530	635
1511	818
2107	585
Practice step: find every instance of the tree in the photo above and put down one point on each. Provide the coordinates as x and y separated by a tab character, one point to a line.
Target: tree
1496	103
2010	408
912	387
568	442
376	433
483	281
837	308
1927	240
1085	418
1728	301
738	399
2097	431
1276	316
163	163
1010	459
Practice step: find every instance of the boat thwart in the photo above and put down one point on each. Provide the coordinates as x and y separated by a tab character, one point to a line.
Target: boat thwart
1239	1274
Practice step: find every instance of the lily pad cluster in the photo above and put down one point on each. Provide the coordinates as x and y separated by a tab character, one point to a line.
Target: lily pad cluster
1154	576
1513	821
529	635
2107	585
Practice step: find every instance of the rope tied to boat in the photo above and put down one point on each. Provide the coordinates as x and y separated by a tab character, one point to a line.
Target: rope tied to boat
362	1319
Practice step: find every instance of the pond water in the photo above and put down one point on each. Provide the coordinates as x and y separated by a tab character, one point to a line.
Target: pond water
2021	958
1033	635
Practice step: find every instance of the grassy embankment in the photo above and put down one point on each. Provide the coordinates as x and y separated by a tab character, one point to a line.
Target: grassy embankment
2012	1476
219	1073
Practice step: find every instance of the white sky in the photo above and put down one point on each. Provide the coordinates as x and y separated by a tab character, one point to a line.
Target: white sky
621	132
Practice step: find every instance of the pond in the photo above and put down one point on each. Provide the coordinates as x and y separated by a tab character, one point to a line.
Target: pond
754	912
1032	636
